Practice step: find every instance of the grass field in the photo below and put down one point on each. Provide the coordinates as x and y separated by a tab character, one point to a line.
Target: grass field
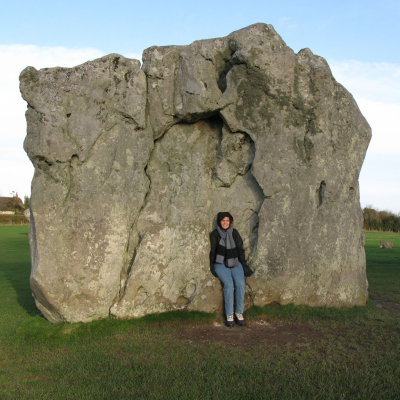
284	353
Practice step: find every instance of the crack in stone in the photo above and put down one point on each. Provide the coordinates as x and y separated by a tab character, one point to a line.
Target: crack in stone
124	275
321	193
222	84
129	119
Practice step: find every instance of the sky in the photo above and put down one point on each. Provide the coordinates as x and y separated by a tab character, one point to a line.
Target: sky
358	38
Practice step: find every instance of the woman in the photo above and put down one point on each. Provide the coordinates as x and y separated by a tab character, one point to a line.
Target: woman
228	263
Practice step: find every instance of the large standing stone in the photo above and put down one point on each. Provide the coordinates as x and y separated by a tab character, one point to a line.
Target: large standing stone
132	164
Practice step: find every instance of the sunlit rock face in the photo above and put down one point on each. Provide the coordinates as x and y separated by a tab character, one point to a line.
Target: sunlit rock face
133	162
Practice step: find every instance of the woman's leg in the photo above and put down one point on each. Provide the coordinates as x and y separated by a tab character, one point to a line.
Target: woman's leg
224	274
240	287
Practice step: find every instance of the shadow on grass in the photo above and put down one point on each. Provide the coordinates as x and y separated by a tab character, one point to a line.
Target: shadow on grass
38	329
15	269
18	276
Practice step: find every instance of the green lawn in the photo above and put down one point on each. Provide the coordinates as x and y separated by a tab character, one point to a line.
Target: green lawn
332	353
383	266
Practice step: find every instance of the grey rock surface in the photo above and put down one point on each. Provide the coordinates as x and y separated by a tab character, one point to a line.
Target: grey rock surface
132	163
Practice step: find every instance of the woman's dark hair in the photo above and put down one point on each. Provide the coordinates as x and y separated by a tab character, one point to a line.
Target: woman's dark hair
222	215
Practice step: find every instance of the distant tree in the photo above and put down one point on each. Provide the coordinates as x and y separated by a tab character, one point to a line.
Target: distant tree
380	220
26	202
371	218
15	203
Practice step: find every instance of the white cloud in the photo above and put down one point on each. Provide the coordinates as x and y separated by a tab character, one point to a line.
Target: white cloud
379	182
16	171
135	56
384	121
376	88
378	82
16	168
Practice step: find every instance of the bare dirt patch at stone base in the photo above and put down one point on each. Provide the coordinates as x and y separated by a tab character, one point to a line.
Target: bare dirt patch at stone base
256	333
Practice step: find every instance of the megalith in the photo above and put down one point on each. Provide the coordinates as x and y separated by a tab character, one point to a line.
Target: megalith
133	162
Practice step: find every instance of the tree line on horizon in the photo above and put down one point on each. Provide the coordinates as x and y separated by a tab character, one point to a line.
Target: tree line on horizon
375	220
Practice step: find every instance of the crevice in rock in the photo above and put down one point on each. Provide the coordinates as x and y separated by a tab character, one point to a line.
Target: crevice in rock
115	63
72	163
124	276
184	299
321	193
192	118
249	176
125	272
222	75
49	167
256	211
225	64
254	235
74	159
127	118
42	162
308	146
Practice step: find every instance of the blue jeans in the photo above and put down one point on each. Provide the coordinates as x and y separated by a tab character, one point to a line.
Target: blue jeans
233	281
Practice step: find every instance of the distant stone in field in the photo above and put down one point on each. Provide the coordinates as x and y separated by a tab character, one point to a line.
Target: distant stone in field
386	245
132	163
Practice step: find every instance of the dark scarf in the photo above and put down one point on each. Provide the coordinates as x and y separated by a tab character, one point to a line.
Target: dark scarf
227	252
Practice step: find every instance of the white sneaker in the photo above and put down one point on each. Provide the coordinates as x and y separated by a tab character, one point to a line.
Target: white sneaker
230	322
239	319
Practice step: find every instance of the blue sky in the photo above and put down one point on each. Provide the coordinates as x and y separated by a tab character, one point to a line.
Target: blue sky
342	29
359	39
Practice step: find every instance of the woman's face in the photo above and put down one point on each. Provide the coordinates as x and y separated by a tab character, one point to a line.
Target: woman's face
225	222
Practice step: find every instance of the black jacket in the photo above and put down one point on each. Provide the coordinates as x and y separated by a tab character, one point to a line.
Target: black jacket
215	238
